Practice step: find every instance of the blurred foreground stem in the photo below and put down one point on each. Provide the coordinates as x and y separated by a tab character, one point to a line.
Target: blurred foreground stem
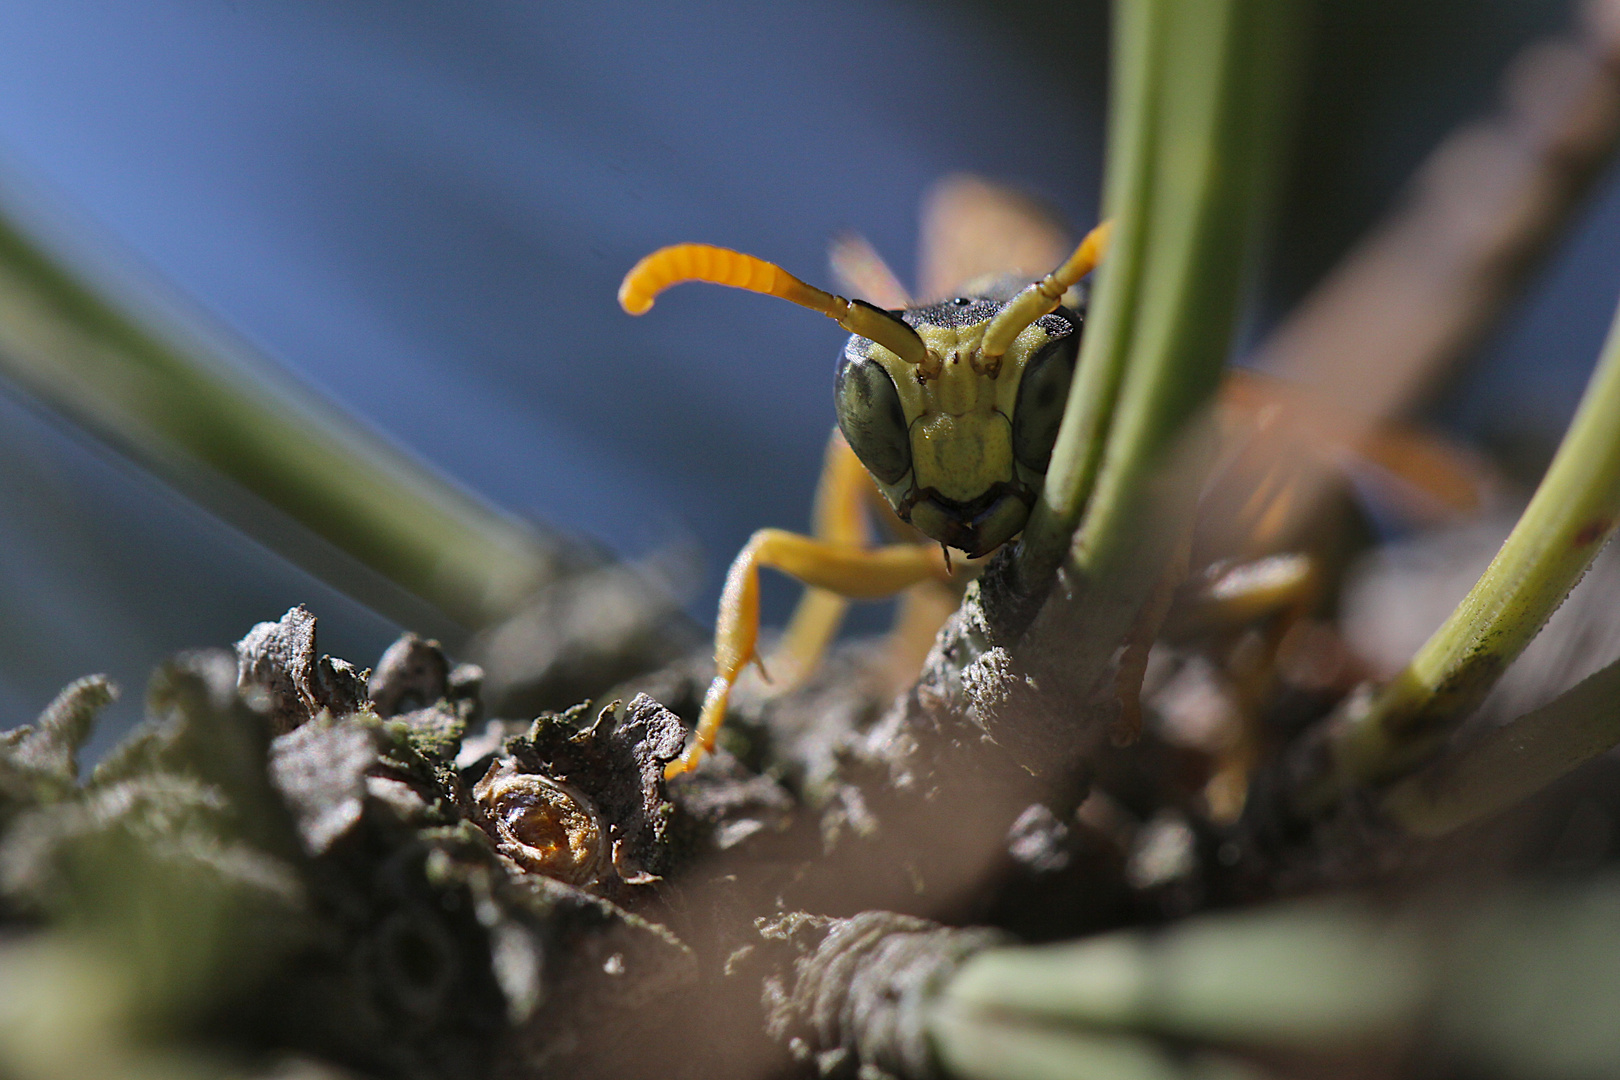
1319	976
1520	982
197	410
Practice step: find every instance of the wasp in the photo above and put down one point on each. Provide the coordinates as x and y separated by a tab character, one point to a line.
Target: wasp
947	412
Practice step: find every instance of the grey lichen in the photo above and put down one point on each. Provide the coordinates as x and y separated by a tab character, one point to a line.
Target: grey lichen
268	864
858	999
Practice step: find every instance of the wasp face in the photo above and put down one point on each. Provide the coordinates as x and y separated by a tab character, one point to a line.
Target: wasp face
960	455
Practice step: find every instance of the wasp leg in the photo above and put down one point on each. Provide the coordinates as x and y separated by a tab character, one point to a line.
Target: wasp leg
923	610
1133	660
1250	608
858	573
846	501
838	518
1241	593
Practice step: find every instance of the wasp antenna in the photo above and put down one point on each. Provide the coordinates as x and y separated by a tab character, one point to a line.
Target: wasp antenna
722	266
1041	298
717	265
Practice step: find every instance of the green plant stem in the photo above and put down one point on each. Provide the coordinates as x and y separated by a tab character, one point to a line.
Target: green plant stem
1139	34
207	415
1199	102
1303	975
1199	134
1513	761
1226	73
985	1048
1508	982
1572	515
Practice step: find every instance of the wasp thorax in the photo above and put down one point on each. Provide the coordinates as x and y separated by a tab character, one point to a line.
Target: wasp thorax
543	825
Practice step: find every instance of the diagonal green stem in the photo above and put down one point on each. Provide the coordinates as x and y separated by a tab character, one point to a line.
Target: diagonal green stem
1513	982
1572	515
1304	975
210	417
990	1048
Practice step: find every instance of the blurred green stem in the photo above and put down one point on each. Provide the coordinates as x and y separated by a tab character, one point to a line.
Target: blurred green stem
1314	976
196	409
1570	518
989	1048
1521	982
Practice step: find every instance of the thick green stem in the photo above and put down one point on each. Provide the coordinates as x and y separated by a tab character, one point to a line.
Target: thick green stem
986	1048
1198	133
1315	976
198	410
1224	72
1139	34
1200	95
1508	982
1570	518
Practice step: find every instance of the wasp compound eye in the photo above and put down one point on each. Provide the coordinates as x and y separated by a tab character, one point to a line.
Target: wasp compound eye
869	415
1042	394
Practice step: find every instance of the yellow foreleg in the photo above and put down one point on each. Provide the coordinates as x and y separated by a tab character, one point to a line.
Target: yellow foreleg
858	573
839	517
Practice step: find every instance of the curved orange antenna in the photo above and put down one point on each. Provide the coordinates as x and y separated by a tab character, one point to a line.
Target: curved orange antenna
722	266
1041	298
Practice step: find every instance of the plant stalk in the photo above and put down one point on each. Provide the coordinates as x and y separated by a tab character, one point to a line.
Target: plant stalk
1199	132
1139	35
1304	975
206	414
1572	515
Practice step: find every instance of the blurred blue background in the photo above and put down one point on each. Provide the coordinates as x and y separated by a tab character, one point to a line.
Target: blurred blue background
424	208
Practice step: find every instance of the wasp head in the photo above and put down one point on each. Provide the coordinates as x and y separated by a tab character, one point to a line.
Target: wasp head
960	452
